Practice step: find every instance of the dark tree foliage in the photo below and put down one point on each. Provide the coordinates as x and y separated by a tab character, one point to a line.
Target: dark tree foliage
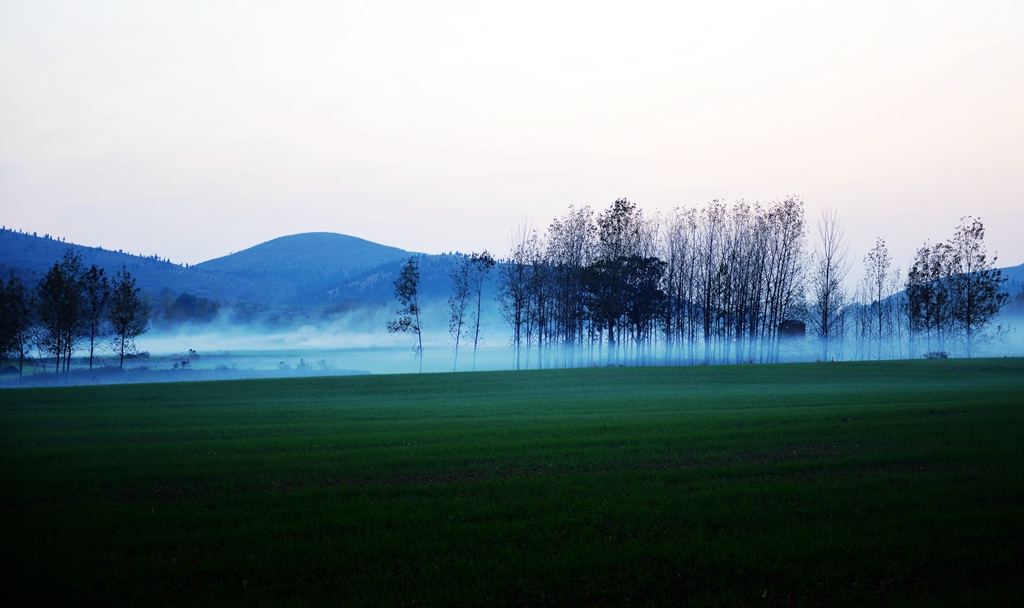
126	313
6	324
618	234
929	296
978	293
408	314
954	290
644	300
191	308
15	321
61	306
603	297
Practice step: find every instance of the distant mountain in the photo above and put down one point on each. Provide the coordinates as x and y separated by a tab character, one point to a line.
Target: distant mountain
302	269
305	257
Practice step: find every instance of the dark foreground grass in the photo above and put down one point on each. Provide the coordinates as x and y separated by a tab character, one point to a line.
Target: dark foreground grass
826	484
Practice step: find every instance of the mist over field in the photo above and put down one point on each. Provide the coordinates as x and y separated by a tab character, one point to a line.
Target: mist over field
355	342
360	344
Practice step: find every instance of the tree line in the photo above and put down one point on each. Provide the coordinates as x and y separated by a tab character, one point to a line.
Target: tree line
70	309
719	283
707	285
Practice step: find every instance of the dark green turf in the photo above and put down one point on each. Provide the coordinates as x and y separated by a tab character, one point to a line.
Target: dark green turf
821	484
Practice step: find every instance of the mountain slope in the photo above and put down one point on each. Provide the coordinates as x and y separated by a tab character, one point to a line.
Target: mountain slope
30	257
377	285
1014	274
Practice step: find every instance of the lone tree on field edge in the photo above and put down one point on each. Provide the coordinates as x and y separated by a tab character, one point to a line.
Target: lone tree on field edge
408	319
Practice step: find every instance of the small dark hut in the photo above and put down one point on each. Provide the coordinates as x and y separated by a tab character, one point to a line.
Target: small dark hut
792	329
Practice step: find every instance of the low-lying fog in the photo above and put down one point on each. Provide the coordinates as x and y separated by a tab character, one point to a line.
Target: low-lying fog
321	349
356	343
360	345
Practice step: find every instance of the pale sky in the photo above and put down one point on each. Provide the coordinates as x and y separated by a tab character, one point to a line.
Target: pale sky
194	129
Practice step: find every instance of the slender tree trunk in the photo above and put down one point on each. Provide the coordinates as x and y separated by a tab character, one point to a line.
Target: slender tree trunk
419	336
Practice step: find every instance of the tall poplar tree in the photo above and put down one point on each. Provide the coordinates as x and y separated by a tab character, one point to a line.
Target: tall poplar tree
480	265
827	276
408	313
96	288
457	302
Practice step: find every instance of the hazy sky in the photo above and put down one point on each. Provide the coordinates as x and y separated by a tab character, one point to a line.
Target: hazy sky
193	129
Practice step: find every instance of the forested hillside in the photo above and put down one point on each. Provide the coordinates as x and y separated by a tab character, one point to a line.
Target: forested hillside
30	256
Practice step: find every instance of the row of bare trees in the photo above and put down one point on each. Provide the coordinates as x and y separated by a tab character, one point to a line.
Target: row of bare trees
71	307
465	304
708	285
714	284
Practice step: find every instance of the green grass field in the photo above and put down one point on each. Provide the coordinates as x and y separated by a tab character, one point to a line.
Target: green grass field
895	483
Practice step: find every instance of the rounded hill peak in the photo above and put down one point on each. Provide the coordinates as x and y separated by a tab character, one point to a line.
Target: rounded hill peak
305	255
